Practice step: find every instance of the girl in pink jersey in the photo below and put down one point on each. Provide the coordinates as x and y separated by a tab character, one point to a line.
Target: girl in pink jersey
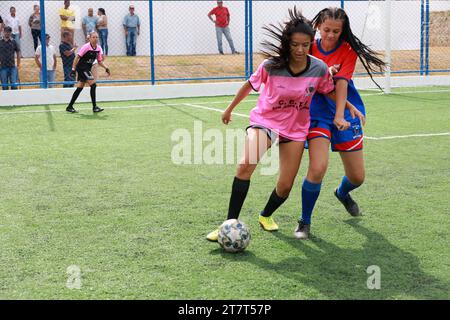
290	77
88	54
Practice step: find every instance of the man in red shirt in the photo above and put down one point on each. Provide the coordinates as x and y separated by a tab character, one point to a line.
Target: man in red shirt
221	22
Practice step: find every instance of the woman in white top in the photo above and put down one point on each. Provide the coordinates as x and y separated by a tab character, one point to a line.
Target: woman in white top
102	27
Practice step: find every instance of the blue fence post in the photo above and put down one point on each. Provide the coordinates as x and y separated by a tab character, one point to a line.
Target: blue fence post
342	4
44	82
427	37
422	35
246	40
250	36
152	45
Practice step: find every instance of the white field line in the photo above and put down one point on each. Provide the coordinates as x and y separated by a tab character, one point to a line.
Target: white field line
200	105
365	137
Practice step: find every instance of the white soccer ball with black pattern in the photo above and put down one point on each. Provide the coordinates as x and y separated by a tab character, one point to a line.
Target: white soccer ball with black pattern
234	236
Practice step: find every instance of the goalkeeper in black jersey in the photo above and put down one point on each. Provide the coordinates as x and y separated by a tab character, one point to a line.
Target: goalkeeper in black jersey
82	65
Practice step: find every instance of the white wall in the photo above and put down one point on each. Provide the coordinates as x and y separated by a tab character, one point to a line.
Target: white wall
182	27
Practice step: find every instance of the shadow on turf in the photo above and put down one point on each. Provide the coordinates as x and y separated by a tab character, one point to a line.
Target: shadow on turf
93	116
339	273
51	122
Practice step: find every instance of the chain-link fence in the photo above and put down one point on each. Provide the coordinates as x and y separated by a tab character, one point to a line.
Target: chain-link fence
177	40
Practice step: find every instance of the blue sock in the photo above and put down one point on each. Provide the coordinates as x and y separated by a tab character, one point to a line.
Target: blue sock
345	188
310	193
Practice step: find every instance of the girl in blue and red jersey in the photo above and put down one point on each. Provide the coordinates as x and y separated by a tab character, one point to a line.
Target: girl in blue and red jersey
331	123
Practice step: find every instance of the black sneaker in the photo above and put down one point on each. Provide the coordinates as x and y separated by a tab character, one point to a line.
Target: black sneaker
302	231
71	110
350	205
97	109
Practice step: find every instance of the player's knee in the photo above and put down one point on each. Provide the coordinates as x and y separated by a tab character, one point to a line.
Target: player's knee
284	188
357	179
316	171
245	171
94	85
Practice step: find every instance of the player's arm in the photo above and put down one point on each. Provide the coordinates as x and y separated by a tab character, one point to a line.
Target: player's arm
74	65
243	92
100	63
341	102
354	112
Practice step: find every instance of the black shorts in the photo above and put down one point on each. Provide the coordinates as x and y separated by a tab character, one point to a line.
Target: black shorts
272	135
84	75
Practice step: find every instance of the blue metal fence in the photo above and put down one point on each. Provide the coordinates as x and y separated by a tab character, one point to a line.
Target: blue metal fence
249	49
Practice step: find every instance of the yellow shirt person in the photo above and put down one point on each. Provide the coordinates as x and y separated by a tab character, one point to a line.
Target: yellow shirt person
67	17
70	14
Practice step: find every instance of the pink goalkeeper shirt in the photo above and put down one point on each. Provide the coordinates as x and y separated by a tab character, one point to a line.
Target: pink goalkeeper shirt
283	104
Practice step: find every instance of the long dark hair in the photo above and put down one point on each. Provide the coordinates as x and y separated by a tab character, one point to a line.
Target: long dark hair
368	57
280	51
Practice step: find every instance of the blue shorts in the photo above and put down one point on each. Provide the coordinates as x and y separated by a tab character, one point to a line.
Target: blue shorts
341	141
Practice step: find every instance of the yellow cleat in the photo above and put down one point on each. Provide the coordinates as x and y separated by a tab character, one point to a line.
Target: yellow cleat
213	236
267	223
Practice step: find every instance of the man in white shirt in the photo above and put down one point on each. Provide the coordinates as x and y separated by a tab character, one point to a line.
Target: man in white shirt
51	61
13	22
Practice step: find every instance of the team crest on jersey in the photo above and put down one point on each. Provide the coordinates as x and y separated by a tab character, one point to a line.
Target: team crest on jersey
309	91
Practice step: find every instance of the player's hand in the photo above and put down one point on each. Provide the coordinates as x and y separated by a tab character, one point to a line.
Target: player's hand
108	71
333	70
341	124
356	113
226	117
72	74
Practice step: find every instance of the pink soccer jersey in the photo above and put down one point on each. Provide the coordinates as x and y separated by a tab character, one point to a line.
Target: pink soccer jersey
283	104
89	54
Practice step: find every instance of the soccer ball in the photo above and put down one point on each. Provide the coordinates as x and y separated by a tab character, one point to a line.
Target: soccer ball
234	236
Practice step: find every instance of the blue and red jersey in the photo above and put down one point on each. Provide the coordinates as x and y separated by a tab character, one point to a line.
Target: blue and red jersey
343	58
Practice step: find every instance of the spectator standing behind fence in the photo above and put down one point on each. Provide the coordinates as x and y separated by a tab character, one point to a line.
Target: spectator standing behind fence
132	26
8	70
89	23
222	21
67	16
51	60
14	23
102	27
67	52
35	24
1	27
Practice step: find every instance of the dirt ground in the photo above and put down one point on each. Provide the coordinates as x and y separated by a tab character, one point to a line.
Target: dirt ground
200	66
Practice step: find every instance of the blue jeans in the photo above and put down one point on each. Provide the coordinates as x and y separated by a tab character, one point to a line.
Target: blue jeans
103	34
225	31
131	41
67	78
50	77
8	75
16	37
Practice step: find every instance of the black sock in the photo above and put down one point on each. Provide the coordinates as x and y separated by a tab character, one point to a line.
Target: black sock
273	204
94	102
238	195
75	96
